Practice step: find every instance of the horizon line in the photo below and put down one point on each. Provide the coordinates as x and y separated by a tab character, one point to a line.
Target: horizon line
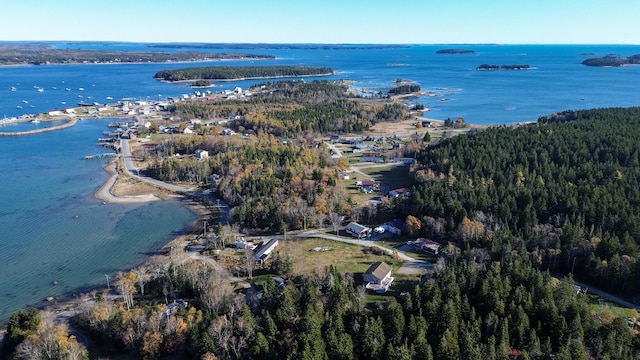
316	43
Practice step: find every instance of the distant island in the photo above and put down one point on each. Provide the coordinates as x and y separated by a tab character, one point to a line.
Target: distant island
44	54
224	73
455	51
503	67
612	61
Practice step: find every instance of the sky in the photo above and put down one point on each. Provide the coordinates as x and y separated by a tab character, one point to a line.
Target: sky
327	21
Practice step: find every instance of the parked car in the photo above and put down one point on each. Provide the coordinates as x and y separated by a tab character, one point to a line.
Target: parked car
378	230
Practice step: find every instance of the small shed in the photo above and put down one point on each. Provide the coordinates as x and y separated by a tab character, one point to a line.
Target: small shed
202	154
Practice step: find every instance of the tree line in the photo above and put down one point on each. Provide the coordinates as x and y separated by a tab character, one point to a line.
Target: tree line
468	310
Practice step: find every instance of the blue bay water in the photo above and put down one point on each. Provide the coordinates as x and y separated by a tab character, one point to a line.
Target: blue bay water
557	82
52	229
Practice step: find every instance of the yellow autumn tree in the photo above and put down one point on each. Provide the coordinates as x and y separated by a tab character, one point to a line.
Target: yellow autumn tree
414	225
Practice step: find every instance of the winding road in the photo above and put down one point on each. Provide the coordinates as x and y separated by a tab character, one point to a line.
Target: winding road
131	170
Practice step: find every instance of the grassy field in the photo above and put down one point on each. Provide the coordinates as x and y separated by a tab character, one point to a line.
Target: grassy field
600	304
394	176
347	258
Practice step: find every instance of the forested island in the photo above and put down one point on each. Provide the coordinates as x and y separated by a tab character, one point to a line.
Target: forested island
503	67
613	61
43	54
405	89
240	72
455	51
519	214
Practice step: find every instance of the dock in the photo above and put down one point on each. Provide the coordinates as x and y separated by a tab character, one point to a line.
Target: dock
101	156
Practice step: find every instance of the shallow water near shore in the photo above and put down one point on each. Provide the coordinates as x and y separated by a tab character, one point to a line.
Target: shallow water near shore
53	231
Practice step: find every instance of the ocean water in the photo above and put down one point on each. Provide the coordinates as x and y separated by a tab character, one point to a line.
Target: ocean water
51	229
557	81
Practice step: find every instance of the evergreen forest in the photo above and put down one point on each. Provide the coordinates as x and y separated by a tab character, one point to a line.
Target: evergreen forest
564	192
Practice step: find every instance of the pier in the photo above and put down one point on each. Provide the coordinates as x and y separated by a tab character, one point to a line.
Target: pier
101	156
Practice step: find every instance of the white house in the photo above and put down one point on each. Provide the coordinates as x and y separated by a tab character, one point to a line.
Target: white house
378	277
356	230
265	250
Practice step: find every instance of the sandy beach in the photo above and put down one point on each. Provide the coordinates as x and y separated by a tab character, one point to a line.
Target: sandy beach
105	192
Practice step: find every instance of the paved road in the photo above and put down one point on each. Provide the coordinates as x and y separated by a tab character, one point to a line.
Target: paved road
608	296
133	171
358	168
225	210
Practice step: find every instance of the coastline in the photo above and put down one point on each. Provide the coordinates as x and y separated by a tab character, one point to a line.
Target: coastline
69	304
105	194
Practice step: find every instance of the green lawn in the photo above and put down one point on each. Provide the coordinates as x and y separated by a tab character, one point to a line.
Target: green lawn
600	304
394	176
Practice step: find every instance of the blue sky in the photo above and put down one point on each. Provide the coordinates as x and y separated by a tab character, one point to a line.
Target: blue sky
327	21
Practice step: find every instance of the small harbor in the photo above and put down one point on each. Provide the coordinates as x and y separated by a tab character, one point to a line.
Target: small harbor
111	139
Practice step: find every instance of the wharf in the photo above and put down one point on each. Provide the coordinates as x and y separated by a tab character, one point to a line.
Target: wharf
101	156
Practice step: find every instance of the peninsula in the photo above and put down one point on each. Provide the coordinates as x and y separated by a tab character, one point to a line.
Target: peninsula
44	54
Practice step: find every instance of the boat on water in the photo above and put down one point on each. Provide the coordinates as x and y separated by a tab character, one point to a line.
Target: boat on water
13	88
40	89
109	97
18	107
